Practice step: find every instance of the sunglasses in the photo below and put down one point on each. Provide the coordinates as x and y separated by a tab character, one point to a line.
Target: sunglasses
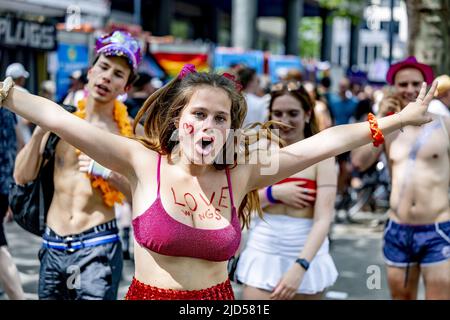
290	86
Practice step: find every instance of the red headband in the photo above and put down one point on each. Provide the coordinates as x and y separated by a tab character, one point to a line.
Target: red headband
237	84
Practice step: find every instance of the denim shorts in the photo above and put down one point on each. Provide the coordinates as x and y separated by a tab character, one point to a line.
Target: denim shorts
87	273
406	245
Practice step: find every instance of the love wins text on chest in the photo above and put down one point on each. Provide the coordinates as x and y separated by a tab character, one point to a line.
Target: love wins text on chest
201	205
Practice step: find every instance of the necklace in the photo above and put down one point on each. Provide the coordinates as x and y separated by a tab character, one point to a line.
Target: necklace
110	195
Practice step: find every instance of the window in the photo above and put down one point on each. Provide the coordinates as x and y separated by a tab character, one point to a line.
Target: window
385	26
339	57
387	3
376	52
366	54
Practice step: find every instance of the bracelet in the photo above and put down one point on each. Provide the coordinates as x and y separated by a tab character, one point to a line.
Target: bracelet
270	197
303	262
377	135
4	91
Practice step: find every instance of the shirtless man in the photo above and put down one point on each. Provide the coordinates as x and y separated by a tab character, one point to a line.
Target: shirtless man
417	234
81	256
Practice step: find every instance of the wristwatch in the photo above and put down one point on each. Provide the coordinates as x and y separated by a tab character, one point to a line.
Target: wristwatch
303	262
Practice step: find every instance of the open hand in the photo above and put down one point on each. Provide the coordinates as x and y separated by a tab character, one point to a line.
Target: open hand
286	288
389	105
415	113
294	194
84	162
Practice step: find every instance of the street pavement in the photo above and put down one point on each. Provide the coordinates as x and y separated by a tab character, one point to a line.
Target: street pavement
355	248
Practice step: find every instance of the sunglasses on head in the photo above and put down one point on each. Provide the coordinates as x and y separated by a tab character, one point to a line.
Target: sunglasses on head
290	86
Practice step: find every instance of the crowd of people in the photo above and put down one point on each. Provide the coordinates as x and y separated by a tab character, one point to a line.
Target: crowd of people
187	222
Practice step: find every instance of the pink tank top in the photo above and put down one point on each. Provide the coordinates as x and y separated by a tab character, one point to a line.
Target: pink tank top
157	231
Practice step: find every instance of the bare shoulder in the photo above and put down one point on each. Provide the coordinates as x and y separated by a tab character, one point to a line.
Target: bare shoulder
142	155
326	169
240	173
446	121
240	177
140	132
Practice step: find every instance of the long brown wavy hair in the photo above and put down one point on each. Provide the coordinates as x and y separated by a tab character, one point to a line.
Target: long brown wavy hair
305	100
161	113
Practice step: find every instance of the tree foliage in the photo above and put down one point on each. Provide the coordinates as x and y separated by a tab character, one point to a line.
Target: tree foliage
352	9
310	32
429	32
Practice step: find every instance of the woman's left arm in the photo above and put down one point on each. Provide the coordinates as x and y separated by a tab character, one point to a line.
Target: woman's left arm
113	151
326	144
323	216
323	208
334	141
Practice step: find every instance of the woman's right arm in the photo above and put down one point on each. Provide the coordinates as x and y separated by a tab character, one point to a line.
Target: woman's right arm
29	158
365	156
336	140
112	151
264	202
290	194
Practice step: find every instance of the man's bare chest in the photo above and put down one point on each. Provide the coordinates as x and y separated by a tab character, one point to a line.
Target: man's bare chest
425	144
66	156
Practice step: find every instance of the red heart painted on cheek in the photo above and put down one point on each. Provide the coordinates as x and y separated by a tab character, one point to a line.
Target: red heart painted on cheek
189	128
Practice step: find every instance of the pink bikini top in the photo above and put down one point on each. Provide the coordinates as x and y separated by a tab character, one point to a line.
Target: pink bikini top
157	231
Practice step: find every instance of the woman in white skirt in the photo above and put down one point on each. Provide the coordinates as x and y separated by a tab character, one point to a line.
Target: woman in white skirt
286	254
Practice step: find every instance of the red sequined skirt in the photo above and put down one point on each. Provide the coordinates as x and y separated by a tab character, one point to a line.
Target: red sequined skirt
142	291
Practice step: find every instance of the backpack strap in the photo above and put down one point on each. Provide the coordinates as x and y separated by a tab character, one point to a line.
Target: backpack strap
53	139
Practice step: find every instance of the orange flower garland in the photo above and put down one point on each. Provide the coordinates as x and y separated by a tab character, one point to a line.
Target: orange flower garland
110	194
377	135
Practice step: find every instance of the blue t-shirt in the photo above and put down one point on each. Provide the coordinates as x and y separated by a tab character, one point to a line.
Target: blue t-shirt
341	110
8	149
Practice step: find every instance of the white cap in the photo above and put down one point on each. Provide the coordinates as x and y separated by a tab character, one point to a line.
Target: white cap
156	83
48	86
76	74
16	70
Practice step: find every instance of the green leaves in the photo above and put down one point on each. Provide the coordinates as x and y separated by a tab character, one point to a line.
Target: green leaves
352	9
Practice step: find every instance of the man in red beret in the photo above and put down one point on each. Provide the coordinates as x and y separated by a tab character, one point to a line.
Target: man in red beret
417	233
407	76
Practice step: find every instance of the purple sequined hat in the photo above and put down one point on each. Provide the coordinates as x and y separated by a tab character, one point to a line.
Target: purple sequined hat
120	44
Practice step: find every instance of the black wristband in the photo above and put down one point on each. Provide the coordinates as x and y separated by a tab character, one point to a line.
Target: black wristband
303	262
